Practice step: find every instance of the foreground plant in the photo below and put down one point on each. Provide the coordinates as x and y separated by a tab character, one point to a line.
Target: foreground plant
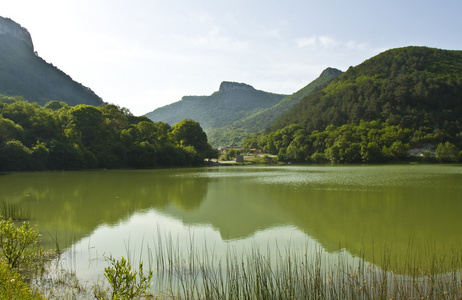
125	282
14	241
12	285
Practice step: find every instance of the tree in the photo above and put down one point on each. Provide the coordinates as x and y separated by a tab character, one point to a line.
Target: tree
55	105
147	132
14	156
88	120
40	156
370	152
446	152
65	156
397	151
189	133
9	130
231	154
211	153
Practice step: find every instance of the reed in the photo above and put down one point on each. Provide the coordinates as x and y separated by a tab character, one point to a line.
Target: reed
200	273
14	211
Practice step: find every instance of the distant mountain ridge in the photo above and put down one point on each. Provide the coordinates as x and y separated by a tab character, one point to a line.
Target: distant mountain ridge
233	101
236	109
261	120
23	73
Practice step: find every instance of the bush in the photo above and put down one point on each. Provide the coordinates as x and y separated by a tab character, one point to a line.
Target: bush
13	287
123	280
14	241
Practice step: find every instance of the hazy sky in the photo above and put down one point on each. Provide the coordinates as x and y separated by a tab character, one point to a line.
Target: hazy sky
143	54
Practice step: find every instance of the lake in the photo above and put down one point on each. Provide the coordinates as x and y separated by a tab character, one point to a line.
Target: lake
360	212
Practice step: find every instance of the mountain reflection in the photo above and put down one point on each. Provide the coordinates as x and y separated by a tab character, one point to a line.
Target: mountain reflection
365	210
70	205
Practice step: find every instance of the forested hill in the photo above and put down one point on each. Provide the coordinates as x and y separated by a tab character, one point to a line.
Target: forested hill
414	87
403	104
233	101
23	73
261	120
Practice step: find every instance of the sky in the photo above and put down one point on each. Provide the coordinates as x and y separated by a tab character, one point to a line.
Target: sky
144	54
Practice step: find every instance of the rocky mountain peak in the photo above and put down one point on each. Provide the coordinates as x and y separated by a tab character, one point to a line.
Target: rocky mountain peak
331	71
230	86
13	29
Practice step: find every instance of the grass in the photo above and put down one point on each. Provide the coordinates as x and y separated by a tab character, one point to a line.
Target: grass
185	270
14	211
299	274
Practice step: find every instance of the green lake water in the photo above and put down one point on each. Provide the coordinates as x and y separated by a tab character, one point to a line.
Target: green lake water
361	211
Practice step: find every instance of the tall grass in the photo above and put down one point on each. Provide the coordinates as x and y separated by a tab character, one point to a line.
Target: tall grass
200	273
14	211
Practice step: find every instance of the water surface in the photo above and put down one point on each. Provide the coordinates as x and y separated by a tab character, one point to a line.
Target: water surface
359	210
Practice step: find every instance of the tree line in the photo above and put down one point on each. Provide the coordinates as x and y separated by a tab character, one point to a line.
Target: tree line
363	142
60	137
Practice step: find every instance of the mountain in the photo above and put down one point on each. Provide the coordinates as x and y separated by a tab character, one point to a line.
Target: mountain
233	101
261	120
419	88
23	73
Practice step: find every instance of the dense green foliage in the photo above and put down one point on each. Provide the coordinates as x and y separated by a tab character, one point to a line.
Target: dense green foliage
60	137
24	73
399	100
355	143
416	87
262	119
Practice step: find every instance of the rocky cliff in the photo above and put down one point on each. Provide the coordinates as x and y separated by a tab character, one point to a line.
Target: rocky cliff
11	28
23	73
233	86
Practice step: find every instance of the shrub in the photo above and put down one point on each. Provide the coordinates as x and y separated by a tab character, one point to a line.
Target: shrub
14	241
13	287
123	280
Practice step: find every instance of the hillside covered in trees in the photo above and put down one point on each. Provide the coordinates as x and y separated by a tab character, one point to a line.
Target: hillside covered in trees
60	137
23	73
401	99
260	120
233	101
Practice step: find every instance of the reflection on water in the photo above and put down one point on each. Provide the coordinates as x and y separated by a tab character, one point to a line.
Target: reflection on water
357	208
